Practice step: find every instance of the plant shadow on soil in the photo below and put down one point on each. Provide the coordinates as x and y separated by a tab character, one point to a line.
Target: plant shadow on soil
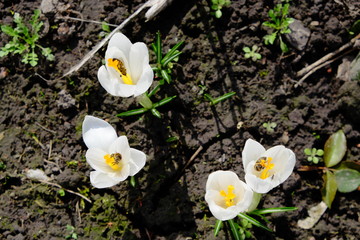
40	122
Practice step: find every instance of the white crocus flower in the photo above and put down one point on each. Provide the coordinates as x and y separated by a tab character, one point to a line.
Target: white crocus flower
127	71
266	169
227	195
110	155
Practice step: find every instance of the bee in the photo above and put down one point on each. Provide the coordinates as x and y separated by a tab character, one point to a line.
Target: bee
259	164
117	158
121	67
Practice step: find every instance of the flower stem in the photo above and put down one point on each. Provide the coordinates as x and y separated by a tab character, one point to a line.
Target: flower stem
255	201
145	101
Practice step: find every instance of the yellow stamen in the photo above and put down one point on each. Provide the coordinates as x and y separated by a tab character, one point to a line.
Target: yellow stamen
113	160
229	197
267	165
120	68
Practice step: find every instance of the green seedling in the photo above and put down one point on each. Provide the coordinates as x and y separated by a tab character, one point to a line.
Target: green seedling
269	126
314	155
162	71
24	40
72	234
217	5
279	22
214	101
105	27
252	53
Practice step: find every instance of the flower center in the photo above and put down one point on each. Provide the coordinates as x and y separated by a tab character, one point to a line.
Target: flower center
113	160
120	68
263	165
229	196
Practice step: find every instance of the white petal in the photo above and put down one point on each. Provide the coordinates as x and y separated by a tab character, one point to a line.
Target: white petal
121	42
260	185
220	180
106	80
95	158
124	173
124	90
217	180
137	161
121	145
138	59
252	152
103	180
220	213
288	166
97	133
145	81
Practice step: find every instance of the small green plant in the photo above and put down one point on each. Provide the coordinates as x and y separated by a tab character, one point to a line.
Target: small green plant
72	234
269	126
279	22
105	30
252	53
342	176
217	5
24	40
314	155
61	192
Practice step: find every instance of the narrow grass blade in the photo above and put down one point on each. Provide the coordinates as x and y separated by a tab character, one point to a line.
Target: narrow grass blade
272	210
234	230
254	222
171	52
217	227
132	112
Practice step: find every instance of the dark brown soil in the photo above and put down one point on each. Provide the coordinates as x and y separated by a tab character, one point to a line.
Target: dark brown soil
40	121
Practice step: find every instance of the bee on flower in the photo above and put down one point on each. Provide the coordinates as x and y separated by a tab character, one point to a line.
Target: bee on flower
127	71
109	155
266	169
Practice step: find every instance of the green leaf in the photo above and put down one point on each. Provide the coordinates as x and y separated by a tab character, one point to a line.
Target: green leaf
222	98
254	221
172	57
158	48
234	230
283	46
347	180
307	151
246	49
156	113
334	149
218	13
166	76
273	210
132	112
217	227
163	102
105	27
133	181
320	152
8	30
270	39
329	189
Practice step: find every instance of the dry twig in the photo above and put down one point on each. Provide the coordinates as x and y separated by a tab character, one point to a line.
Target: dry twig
329	58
